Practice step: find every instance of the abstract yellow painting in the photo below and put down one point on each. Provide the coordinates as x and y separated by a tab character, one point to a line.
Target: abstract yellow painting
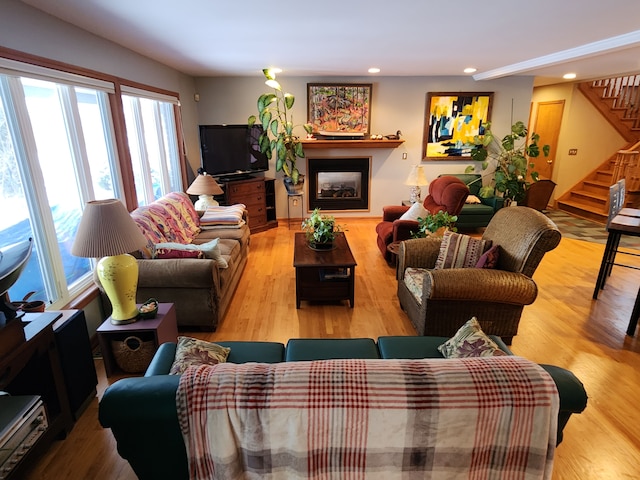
451	122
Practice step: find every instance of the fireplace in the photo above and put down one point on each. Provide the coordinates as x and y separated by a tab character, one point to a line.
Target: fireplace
339	183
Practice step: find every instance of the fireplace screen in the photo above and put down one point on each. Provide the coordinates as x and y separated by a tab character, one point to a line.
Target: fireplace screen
339	184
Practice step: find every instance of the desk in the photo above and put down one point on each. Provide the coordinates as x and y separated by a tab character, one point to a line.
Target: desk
620	225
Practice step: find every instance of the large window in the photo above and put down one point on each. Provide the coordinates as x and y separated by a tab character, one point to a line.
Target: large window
151	131
57	152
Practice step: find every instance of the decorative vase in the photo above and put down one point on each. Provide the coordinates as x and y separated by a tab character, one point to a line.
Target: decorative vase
321	246
294	188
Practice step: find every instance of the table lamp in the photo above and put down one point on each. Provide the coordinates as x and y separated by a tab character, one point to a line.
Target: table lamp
206	187
416	179
108	232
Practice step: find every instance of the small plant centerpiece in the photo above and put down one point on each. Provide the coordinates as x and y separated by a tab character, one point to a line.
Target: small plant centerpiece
321	230
278	138
510	160
435	223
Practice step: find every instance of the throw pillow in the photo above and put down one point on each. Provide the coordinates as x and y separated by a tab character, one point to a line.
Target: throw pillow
210	250
460	251
472	199
165	253
191	351
470	341
489	259
415	211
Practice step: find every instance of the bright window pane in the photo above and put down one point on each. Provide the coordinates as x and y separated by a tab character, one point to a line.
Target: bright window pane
58	169
151	132
92	106
14	221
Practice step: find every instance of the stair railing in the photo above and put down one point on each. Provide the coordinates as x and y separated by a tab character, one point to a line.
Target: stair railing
624	92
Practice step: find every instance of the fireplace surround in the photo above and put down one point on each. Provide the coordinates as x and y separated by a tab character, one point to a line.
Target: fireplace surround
339	183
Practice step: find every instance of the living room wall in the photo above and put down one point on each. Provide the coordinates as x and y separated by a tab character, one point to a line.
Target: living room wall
29	30
398	103
584	129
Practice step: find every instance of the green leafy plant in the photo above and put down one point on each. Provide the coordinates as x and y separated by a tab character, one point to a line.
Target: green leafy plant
278	138
320	228
433	222
510	160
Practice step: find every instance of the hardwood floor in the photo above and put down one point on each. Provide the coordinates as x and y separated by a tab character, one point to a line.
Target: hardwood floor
564	327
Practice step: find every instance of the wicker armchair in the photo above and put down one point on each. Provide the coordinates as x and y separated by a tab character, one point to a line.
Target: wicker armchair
496	297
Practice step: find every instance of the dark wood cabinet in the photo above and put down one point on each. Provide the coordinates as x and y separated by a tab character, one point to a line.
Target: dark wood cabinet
76	359
34	368
258	194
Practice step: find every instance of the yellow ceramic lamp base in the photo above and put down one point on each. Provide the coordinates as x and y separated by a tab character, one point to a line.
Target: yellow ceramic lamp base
119	277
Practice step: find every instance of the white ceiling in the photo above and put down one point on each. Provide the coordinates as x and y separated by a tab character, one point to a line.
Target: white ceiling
543	38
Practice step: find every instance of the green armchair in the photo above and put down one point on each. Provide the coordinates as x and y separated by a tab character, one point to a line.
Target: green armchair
474	215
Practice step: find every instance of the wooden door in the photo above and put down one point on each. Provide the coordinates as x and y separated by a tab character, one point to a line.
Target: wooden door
547	125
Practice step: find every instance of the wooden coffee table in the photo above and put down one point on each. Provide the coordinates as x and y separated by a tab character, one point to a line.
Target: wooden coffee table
324	275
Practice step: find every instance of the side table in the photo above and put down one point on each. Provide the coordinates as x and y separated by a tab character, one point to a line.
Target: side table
163	328
294	198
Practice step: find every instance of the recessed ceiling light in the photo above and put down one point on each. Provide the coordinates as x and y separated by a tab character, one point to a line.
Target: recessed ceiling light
374	70
569	76
470	70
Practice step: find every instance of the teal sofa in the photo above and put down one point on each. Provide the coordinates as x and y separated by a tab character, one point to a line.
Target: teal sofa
479	214
141	411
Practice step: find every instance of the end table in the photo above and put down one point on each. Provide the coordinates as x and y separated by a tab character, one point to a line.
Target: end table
163	328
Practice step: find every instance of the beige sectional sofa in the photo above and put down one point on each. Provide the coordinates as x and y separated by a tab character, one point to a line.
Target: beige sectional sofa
200	288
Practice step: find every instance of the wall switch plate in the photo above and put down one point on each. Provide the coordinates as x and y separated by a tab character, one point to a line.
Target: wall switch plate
573	151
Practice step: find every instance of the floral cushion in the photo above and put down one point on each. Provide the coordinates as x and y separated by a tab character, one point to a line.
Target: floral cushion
171	218
210	250
470	341
165	253
192	351
414	279
460	251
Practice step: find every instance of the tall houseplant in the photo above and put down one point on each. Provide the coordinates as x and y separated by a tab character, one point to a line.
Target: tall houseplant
278	138
510	160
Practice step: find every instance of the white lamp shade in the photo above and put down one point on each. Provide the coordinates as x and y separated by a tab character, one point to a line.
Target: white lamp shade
417	177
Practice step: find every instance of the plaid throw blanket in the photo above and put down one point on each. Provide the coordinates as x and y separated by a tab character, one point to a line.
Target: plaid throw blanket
485	418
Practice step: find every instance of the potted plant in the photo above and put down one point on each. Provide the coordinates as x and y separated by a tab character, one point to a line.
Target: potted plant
321	230
432	223
278	138
510	160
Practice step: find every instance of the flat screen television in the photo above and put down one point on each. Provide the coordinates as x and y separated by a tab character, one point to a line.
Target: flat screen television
232	150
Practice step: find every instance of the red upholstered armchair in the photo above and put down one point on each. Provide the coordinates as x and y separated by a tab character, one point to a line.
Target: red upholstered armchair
446	193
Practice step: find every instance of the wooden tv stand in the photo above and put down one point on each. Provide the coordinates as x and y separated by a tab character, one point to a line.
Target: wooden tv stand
258	194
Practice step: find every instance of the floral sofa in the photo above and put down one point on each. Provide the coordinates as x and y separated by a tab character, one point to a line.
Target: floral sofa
196	267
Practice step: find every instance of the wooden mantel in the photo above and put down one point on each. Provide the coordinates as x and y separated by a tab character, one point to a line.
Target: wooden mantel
352	143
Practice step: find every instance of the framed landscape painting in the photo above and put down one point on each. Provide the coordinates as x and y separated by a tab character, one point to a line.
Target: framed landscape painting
451	122
335	108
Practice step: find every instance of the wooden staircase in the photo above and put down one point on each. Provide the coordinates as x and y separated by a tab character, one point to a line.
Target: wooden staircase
618	100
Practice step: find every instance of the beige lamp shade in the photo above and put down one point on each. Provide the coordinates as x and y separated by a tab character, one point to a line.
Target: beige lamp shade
417	177
107	230
204	185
